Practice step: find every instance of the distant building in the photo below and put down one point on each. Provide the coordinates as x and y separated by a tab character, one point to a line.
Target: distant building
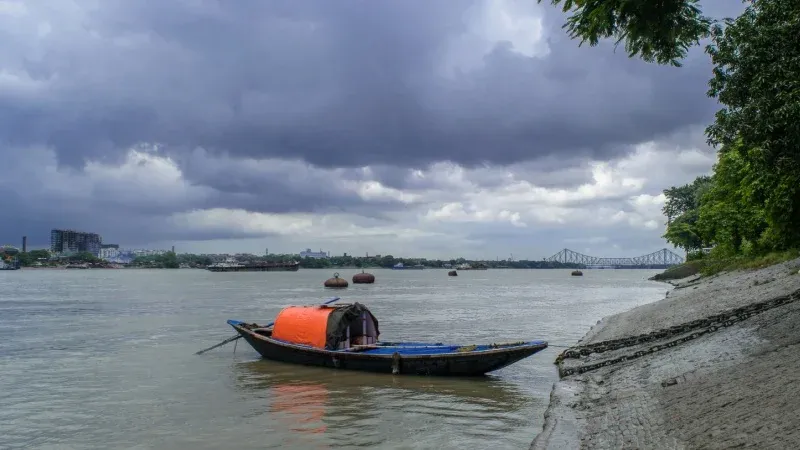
109	253
71	241
307	253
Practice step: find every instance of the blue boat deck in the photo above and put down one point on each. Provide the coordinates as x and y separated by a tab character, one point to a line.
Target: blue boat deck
412	348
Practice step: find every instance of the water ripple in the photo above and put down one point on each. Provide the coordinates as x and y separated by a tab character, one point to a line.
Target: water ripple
104	359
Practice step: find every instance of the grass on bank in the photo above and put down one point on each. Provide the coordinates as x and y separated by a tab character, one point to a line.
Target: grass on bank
712	265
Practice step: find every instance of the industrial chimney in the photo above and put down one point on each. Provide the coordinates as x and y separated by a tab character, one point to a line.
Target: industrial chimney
24	244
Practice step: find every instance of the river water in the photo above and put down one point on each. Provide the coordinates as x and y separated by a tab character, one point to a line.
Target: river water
105	358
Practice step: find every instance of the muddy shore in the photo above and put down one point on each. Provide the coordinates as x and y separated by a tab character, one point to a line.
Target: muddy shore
715	364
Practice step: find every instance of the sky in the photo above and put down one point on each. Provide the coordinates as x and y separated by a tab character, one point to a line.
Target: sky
465	128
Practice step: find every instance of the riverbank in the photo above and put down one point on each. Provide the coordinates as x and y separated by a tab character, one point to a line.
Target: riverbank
715	364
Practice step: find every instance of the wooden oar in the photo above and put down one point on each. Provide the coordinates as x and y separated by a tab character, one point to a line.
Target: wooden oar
233	338
230	339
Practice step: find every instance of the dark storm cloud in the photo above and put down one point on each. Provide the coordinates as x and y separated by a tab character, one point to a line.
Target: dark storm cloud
136	200
336	84
278	186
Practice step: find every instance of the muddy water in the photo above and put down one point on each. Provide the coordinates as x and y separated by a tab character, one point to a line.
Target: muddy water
104	358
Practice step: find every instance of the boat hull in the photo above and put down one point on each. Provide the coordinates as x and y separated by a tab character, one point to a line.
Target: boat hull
257	268
393	360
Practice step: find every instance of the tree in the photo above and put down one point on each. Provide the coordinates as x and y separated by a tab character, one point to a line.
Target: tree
684	233
85	257
757	80
169	260
731	214
681	199
657	31
31	257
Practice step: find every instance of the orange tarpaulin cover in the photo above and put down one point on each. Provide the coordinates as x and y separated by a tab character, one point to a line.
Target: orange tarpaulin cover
307	325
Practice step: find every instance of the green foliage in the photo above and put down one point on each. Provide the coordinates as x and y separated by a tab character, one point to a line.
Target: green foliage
30	258
751	206
683	232
681	207
757	80
168	260
713	266
681	199
731	212
657	31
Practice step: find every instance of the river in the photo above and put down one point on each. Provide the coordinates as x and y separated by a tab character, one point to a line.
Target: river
105	358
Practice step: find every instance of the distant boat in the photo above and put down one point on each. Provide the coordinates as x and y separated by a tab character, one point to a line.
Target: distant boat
231	265
470	267
400	266
347	337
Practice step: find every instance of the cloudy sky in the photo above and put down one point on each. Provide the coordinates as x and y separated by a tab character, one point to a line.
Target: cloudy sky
470	128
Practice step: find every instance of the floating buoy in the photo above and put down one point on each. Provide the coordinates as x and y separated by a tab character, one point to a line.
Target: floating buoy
452	273
363	278
577	273
336	282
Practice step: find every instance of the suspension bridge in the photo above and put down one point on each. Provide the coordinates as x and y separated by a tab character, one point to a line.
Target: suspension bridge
660	259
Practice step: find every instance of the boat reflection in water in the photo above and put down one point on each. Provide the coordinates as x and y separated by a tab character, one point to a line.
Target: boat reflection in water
303	405
313	406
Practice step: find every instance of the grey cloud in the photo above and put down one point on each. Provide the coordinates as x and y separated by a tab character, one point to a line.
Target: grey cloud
128	208
279	186
337	85
333	84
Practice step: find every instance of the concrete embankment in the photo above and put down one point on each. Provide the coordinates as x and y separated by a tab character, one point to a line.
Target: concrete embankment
716	364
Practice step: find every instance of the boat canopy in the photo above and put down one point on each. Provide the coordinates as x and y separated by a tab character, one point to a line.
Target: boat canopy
327	327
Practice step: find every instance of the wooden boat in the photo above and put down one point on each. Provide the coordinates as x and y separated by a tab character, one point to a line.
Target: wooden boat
345	336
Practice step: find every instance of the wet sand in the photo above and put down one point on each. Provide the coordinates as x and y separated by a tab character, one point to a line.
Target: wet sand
715	364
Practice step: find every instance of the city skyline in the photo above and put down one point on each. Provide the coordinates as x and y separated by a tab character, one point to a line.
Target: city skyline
116	253
467	127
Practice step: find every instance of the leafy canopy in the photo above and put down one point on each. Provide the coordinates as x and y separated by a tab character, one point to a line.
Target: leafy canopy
752	201
682	199
660	31
731	213
682	208
757	80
